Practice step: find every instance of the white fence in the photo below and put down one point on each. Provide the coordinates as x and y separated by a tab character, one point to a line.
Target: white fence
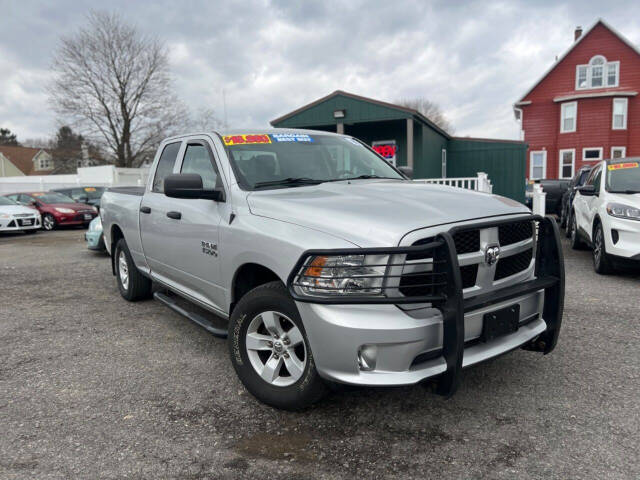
103	176
539	200
480	183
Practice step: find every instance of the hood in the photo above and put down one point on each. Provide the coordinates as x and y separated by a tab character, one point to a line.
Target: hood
631	199
76	207
17	209
377	212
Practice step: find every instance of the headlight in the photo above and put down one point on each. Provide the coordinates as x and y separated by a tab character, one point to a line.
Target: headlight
342	275
623	211
64	210
94	209
96	225
5	215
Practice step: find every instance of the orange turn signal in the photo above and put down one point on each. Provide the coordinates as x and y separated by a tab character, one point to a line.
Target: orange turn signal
315	267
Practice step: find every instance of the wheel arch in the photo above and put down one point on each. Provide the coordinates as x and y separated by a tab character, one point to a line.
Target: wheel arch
247	277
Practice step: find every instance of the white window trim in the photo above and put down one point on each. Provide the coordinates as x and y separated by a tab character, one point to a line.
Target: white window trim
573	161
626	113
624	151
575	118
605	68
544	164
592	159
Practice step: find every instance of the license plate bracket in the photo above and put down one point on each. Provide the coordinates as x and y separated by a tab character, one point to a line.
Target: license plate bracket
500	322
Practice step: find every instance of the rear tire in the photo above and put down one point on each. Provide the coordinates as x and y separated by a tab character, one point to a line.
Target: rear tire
270	351
576	243
131	283
602	263
49	222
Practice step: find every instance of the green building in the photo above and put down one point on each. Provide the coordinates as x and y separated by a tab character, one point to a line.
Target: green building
405	137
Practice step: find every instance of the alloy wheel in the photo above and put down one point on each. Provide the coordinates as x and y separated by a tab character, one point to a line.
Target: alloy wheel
123	270
276	348
48	222
597	246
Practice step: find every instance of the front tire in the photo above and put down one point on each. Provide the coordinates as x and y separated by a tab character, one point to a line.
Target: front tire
270	351
601	259
131	283
49	222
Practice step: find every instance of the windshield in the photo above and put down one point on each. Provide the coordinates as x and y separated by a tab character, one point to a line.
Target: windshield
6	201
623	177
51	197
293	159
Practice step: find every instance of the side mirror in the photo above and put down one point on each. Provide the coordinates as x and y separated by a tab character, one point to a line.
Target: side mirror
408	171
587	190
189	185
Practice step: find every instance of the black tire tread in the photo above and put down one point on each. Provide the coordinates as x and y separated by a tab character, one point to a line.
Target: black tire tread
139	285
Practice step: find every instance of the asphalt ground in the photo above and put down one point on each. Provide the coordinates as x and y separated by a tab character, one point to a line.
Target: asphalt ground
92	386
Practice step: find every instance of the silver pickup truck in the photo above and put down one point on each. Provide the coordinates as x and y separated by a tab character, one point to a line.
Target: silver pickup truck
325	264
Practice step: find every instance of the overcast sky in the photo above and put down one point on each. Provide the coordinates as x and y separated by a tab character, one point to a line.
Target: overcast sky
472	58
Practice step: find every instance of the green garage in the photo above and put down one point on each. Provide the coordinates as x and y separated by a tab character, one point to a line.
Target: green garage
405	137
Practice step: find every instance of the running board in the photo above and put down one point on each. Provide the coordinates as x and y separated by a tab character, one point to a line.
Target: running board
194	317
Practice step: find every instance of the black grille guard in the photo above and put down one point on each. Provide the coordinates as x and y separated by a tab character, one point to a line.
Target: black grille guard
445	289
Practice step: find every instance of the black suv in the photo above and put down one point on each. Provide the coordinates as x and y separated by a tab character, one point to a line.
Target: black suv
554	189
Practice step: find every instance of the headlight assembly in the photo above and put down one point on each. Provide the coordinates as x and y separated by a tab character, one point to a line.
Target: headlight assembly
342	275
64	210
623	211
5	215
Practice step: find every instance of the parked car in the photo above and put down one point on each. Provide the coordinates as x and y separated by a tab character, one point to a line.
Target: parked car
330	265
56	209
568	196
14	217
606	214
89	195
554	189
93	236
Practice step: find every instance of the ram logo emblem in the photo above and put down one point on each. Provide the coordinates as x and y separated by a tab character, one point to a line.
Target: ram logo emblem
491	254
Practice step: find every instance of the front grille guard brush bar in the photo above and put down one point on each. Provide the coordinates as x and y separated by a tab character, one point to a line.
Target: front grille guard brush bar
445	288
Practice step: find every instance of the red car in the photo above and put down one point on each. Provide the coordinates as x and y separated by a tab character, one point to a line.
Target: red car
56	209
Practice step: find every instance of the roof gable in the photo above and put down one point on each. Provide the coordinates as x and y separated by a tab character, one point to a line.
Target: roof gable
22	157
560	60
358	109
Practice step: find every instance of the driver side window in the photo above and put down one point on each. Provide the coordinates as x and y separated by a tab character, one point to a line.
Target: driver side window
197	160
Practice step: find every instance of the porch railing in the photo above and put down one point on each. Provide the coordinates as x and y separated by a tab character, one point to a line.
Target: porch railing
480	182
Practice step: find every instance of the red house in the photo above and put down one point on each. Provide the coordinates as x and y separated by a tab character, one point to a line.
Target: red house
585	108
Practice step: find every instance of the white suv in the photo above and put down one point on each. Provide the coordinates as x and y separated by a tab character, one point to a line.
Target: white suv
606	214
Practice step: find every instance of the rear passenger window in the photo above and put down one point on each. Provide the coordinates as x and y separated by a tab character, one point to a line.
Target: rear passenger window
197	160
165	166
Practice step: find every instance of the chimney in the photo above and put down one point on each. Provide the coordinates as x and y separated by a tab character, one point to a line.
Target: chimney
577	34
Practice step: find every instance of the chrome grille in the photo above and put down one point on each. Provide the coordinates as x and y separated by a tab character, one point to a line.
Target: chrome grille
517	244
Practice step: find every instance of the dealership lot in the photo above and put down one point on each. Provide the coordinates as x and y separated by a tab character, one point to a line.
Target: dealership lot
92	386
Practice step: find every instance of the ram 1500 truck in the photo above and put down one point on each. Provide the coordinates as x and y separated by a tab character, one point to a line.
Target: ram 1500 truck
328	265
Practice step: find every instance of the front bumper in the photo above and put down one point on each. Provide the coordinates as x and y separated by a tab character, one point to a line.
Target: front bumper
18	224
441	339
628	237
95	240
75	219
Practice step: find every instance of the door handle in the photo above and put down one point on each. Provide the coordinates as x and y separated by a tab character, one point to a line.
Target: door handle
145	209
174	215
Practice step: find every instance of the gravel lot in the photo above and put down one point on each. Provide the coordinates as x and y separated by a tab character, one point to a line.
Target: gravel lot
94	387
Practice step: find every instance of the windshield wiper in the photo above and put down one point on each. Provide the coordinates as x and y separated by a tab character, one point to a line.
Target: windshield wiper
288	181
364	177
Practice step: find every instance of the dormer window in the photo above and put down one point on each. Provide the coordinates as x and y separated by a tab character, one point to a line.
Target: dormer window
597	74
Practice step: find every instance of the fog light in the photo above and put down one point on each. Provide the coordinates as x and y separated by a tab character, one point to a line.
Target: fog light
367	355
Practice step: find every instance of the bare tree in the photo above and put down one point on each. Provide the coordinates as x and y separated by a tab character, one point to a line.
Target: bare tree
205	119
429	109
113	84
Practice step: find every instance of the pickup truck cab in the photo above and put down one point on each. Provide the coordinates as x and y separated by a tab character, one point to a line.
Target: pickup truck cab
606	214
329	265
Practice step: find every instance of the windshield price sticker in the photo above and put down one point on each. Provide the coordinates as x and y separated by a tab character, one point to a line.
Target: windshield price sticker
245	139
89	189
620	166
291	137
